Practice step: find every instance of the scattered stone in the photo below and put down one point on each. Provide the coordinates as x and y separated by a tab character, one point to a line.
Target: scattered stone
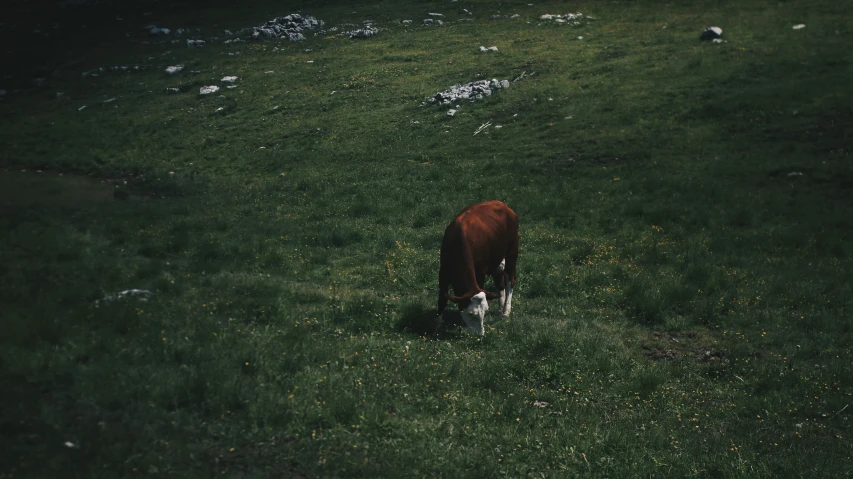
173	90
515	16
435	14
799	27
540	404
174	69
428	21
140	294
233	40
489	49
207	90
231	86
406	22
229	79
495	17
219	109
195	43
573	19
718	40
181	31
157	31
110	100
451	112
580	37
116	68
368	31
795	173
289	27
711	33
468	12
82	108
469	91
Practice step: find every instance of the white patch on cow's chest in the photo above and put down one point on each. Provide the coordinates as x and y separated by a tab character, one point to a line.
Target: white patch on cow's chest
475	313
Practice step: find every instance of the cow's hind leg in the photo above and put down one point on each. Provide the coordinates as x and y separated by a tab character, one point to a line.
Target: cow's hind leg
500	280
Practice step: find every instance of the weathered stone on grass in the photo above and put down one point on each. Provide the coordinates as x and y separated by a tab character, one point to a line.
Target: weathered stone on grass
469	91
573	19
428	21
174	69
115	68
799	26
139	294
228	79
367	31
207	90
451	112
289	27
173	90
488	49
157	31
711	33
195	43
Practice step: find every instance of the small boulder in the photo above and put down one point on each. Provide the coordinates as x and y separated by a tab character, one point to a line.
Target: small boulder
207	90
711	33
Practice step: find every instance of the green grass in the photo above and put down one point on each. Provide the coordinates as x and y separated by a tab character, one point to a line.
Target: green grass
684	294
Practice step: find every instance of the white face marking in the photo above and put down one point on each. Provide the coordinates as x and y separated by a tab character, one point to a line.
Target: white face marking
475	313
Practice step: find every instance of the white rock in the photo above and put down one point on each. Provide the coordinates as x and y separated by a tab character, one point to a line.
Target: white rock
229	79
173	90
158	31
195	43
435	14
220	108
800	26
174	69
451	112
206	90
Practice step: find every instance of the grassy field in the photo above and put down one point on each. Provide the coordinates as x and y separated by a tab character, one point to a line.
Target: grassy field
685	288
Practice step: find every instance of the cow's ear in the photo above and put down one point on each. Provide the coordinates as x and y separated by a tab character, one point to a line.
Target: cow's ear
457	299
492	295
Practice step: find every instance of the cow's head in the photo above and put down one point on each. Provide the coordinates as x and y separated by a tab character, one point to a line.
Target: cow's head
474	308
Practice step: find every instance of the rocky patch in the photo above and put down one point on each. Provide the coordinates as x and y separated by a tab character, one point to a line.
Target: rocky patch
469	91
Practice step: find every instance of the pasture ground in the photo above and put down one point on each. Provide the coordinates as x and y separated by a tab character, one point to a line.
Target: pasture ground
684	297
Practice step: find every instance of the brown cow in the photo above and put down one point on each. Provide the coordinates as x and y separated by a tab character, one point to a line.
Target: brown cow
481	240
